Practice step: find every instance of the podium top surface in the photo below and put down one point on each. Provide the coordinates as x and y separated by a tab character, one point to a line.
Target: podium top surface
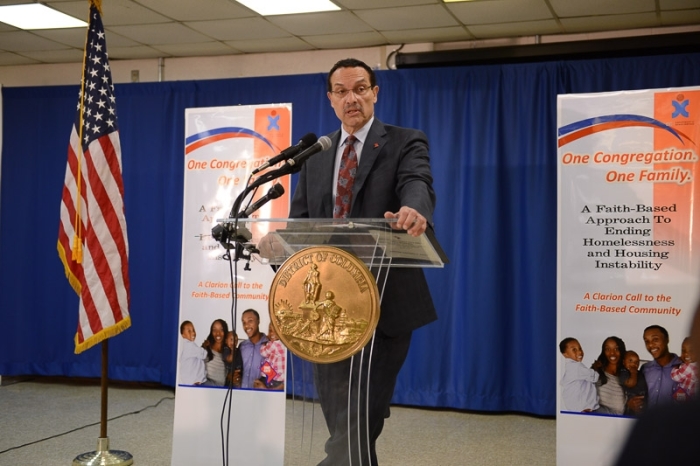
371	240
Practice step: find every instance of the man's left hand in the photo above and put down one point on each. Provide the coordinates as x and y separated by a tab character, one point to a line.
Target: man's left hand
408	219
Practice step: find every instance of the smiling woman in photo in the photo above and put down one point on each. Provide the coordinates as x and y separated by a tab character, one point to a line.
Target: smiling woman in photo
214	344
609	365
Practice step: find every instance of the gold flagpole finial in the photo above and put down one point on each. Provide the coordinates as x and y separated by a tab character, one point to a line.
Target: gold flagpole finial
97	3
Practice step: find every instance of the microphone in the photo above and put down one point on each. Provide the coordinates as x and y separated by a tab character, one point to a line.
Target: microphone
275	191
323	143
289	152
294	164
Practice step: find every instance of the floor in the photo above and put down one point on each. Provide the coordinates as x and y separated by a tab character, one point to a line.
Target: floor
46	421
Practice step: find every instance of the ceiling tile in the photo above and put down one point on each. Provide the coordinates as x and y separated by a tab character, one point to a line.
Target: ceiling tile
117	40
114	12
410	17
7	27
610	22
197	10
9	59
238	29
76	37
20	41
568	8
336	22
341	41
525	28
669	18
169	33
412	36
73	37
678	4
56	56
364	4
284	44
500	11
193	50
132	53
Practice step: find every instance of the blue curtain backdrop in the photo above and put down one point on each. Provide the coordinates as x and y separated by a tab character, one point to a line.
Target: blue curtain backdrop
493	145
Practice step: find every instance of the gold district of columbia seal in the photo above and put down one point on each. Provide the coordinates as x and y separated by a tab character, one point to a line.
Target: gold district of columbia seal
324	304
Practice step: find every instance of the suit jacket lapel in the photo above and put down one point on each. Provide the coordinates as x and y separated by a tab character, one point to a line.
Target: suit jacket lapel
373	146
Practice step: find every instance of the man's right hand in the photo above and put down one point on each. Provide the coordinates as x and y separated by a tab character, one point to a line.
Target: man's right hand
269	247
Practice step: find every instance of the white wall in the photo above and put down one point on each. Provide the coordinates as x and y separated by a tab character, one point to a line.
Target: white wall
195	68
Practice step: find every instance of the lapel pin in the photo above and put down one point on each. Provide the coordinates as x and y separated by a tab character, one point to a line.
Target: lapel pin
376	144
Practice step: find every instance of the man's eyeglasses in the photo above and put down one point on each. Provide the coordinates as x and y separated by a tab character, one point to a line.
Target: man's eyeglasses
358	91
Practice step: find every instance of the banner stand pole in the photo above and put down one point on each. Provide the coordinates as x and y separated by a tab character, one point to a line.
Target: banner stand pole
104	456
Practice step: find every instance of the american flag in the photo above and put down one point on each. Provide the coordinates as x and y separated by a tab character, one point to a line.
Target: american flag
92	241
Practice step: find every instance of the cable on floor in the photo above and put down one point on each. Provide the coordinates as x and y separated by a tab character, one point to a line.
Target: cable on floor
89	425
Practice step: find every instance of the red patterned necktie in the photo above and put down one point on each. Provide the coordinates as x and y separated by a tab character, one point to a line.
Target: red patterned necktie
346	178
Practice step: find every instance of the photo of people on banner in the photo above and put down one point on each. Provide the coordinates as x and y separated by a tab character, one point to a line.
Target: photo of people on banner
220	361
616	385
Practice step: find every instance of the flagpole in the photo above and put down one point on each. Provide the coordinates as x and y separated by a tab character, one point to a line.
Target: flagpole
104	381
103	456
93	227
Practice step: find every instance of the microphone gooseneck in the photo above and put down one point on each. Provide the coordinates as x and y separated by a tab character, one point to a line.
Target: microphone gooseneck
289	152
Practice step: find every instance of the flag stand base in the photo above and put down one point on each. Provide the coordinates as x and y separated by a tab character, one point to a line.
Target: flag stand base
104	456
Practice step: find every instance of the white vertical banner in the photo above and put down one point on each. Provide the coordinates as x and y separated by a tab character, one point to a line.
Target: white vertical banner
628	258
223	146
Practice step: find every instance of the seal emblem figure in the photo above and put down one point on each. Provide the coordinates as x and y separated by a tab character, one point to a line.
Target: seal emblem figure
324	304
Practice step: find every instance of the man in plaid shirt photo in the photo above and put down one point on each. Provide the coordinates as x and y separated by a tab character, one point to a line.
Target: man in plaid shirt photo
275	363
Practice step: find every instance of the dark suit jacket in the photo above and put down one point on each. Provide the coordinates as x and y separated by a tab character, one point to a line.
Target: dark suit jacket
666	434
394	171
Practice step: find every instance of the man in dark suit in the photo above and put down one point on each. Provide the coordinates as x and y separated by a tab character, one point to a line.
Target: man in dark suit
668	432
391	179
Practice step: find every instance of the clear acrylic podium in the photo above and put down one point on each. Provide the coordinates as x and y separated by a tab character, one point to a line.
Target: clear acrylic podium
380	248
372	240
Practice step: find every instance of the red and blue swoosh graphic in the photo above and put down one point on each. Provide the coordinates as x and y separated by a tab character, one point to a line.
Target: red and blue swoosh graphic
204	138
583	128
